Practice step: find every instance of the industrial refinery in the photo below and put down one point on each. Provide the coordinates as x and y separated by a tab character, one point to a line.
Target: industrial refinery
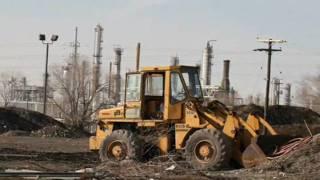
159	89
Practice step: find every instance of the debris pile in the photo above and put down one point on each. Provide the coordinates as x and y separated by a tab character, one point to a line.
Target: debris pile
129	169
302	163
13	121
52	131
305	160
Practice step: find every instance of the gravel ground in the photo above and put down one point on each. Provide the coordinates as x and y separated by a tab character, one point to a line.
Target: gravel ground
63	154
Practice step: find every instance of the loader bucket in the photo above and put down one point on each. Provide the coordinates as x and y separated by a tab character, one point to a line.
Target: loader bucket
257	152
253	156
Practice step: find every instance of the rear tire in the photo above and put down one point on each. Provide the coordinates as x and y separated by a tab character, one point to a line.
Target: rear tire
208	149
120	145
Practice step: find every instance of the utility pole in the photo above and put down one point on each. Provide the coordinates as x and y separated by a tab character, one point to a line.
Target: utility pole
270	42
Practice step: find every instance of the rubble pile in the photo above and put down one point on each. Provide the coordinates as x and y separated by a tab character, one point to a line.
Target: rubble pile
13	121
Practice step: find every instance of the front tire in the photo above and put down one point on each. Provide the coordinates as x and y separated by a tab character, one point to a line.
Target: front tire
208	149
119	145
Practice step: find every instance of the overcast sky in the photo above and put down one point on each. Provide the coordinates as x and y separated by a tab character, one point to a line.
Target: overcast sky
166	28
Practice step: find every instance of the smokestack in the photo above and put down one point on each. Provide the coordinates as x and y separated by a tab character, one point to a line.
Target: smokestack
97	44
110	81
138	57
232	93
174	61
96	66
276	91
117	78
225	84
198	68
67	83
66	75
287	96
206	65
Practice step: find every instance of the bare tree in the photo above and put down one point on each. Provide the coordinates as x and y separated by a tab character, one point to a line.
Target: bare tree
73	96
308	92
8	81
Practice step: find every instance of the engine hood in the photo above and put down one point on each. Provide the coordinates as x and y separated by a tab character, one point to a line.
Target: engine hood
112	113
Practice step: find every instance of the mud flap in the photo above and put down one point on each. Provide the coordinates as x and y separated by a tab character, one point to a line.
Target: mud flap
253	156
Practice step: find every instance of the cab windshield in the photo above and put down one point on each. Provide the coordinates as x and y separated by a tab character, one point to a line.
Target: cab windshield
191	78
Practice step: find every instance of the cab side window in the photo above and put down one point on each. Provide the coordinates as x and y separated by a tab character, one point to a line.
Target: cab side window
177	91
133	87
154	85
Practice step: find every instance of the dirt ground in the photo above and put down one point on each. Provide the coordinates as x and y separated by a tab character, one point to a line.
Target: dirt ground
65	155
45	154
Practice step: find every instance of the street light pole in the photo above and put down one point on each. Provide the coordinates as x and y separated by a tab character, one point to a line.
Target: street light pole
42	38
46	80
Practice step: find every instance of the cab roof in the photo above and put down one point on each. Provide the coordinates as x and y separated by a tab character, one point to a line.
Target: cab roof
164	68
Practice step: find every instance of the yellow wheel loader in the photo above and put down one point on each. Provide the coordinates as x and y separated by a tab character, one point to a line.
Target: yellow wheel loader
167	104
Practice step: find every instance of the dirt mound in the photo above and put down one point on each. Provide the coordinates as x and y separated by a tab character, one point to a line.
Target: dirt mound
17	119
280	115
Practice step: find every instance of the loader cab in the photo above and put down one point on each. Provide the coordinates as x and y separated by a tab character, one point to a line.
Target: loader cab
144	97
159	93
153	99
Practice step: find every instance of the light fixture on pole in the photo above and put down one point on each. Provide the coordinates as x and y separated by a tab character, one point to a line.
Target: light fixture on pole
42	37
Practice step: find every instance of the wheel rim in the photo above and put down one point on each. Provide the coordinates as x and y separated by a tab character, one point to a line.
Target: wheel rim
204	151
117	151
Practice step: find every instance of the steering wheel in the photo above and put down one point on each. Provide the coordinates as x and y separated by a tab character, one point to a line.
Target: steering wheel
180	95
